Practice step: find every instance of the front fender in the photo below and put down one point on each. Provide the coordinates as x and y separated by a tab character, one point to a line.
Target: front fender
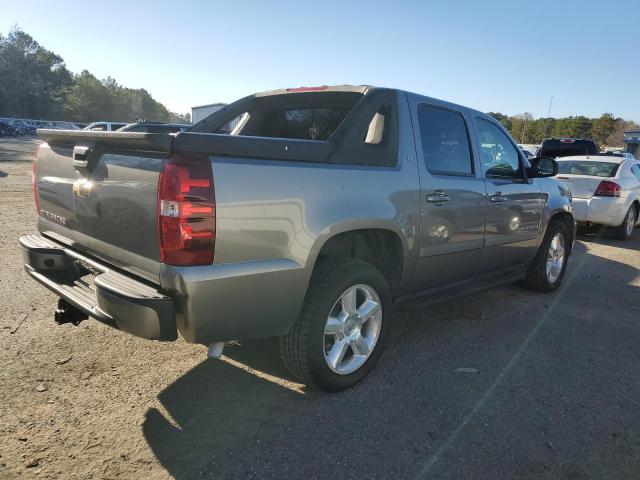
557	200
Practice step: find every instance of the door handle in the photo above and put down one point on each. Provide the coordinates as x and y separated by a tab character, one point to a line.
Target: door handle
498	198
438	197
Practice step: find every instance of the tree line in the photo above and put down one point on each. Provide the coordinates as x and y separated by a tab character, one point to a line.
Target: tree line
606	130
35	83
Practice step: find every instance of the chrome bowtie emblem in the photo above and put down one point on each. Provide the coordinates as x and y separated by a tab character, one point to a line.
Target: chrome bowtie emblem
82	188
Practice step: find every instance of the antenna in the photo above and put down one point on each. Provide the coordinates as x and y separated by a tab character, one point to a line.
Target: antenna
548	116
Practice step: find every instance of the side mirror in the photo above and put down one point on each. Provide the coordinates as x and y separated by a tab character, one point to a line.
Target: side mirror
542	167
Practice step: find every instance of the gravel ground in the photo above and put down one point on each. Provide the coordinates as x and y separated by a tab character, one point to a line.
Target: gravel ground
501	384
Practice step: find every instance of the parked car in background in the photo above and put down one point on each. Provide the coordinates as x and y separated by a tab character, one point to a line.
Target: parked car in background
153	127
66	126
566	147
605	190
321	220
104	126
8	130
17	125
527	153
626	155
31	127
530	147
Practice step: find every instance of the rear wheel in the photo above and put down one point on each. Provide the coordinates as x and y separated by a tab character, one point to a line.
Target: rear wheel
546	272
625	229
342	328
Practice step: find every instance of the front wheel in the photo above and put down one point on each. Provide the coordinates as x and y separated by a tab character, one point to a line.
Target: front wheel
625	229
341	330
547	270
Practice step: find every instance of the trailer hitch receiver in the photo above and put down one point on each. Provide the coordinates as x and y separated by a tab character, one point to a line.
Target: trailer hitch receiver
67	313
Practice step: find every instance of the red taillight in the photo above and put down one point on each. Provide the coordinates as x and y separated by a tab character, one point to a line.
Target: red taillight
34	183
186	210
608	189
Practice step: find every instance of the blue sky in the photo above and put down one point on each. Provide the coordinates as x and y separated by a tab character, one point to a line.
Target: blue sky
507	56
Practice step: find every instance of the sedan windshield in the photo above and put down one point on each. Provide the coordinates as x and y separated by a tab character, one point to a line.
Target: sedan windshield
581	167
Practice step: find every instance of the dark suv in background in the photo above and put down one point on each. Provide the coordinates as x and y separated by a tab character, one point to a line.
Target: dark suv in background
567	147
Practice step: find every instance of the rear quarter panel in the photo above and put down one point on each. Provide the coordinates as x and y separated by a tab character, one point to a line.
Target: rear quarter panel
272	219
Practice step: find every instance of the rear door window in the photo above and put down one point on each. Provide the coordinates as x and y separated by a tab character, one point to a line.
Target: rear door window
445	141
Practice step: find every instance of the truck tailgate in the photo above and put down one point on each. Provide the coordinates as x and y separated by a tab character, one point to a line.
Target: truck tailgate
97	191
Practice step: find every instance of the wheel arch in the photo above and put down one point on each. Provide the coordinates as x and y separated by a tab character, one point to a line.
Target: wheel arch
568	219
382	247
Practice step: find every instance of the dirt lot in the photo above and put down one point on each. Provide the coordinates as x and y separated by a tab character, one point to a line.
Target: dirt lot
550	386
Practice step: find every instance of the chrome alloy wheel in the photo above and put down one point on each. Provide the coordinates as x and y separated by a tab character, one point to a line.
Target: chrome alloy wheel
630	221
352	329
555	258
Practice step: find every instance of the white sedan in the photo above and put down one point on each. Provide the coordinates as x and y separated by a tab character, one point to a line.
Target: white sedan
605	189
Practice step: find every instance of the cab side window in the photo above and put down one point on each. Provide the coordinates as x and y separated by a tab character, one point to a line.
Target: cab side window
636	171
499	157
445	141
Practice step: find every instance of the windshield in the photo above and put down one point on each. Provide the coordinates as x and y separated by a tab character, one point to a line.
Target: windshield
587	167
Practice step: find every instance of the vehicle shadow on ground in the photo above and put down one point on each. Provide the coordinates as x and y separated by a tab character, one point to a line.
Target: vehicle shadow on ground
215	407
603	236
222	421
3	174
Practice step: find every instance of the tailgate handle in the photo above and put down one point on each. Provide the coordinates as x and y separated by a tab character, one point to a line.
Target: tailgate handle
81	156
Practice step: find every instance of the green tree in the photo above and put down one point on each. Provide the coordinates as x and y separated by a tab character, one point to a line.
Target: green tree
35	83
33	79
602	128
503	119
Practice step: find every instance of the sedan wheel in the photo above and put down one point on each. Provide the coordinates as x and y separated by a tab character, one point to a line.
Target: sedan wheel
625	229
631	220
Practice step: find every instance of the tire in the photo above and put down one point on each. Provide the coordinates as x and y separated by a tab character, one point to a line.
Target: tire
538	277
305	349
625	229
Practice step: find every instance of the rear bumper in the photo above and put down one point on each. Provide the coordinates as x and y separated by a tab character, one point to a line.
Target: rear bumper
99	291
603	211
206	304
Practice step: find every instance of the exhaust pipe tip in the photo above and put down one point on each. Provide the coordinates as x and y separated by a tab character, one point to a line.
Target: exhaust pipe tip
215	350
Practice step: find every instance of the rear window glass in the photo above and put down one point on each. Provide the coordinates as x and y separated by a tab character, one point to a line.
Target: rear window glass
567	148
302	116
594	169
303	123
